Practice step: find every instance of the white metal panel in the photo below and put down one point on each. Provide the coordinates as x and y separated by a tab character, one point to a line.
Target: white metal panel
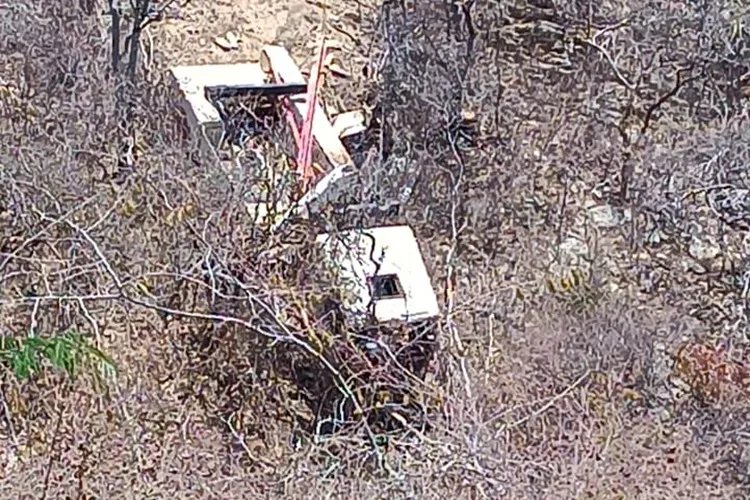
193	81
361	254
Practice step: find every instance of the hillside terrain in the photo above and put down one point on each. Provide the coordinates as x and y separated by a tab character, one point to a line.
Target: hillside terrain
188	33
582	203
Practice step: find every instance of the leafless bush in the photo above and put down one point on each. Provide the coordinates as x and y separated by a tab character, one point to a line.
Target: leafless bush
516	120
146	243
526	118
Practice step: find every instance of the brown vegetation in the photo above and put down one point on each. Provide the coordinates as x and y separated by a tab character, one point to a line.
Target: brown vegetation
581	201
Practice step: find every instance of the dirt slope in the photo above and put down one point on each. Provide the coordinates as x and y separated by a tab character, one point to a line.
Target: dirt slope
187	35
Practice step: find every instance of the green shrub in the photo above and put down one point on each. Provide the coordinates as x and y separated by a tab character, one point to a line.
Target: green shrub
69	352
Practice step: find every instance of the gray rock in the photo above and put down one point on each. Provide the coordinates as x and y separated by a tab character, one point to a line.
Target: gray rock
573	248
654	238
605	216
704	248
690	265
571	253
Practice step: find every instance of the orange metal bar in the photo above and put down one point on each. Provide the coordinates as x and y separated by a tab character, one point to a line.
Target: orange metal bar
289	114
304	155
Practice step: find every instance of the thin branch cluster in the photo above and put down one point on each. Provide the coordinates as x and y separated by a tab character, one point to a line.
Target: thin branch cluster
576	173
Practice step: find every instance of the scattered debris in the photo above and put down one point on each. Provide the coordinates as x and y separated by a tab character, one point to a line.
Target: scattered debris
304	155
349	123
203	117
383	270
468	115
228	42
601	191
704	249
333	65
278	62
378	275
206	87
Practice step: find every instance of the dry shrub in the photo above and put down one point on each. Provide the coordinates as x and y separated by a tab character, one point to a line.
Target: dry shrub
512	117
572	407
711	373
150	253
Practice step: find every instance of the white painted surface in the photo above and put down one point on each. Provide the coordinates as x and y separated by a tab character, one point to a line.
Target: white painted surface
205	119
395	251
349	123
193	81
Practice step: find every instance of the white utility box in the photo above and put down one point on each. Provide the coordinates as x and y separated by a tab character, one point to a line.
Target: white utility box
382	274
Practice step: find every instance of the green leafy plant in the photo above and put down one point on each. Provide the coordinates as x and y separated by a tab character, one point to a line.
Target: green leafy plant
576	291
69	352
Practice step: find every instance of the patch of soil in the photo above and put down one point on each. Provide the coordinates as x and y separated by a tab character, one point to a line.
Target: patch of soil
187	33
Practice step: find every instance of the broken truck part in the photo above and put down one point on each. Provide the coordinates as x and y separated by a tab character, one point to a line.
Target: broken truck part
378	313
382	273
276	75
382	304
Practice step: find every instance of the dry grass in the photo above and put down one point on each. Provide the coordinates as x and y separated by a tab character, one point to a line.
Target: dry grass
555	373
